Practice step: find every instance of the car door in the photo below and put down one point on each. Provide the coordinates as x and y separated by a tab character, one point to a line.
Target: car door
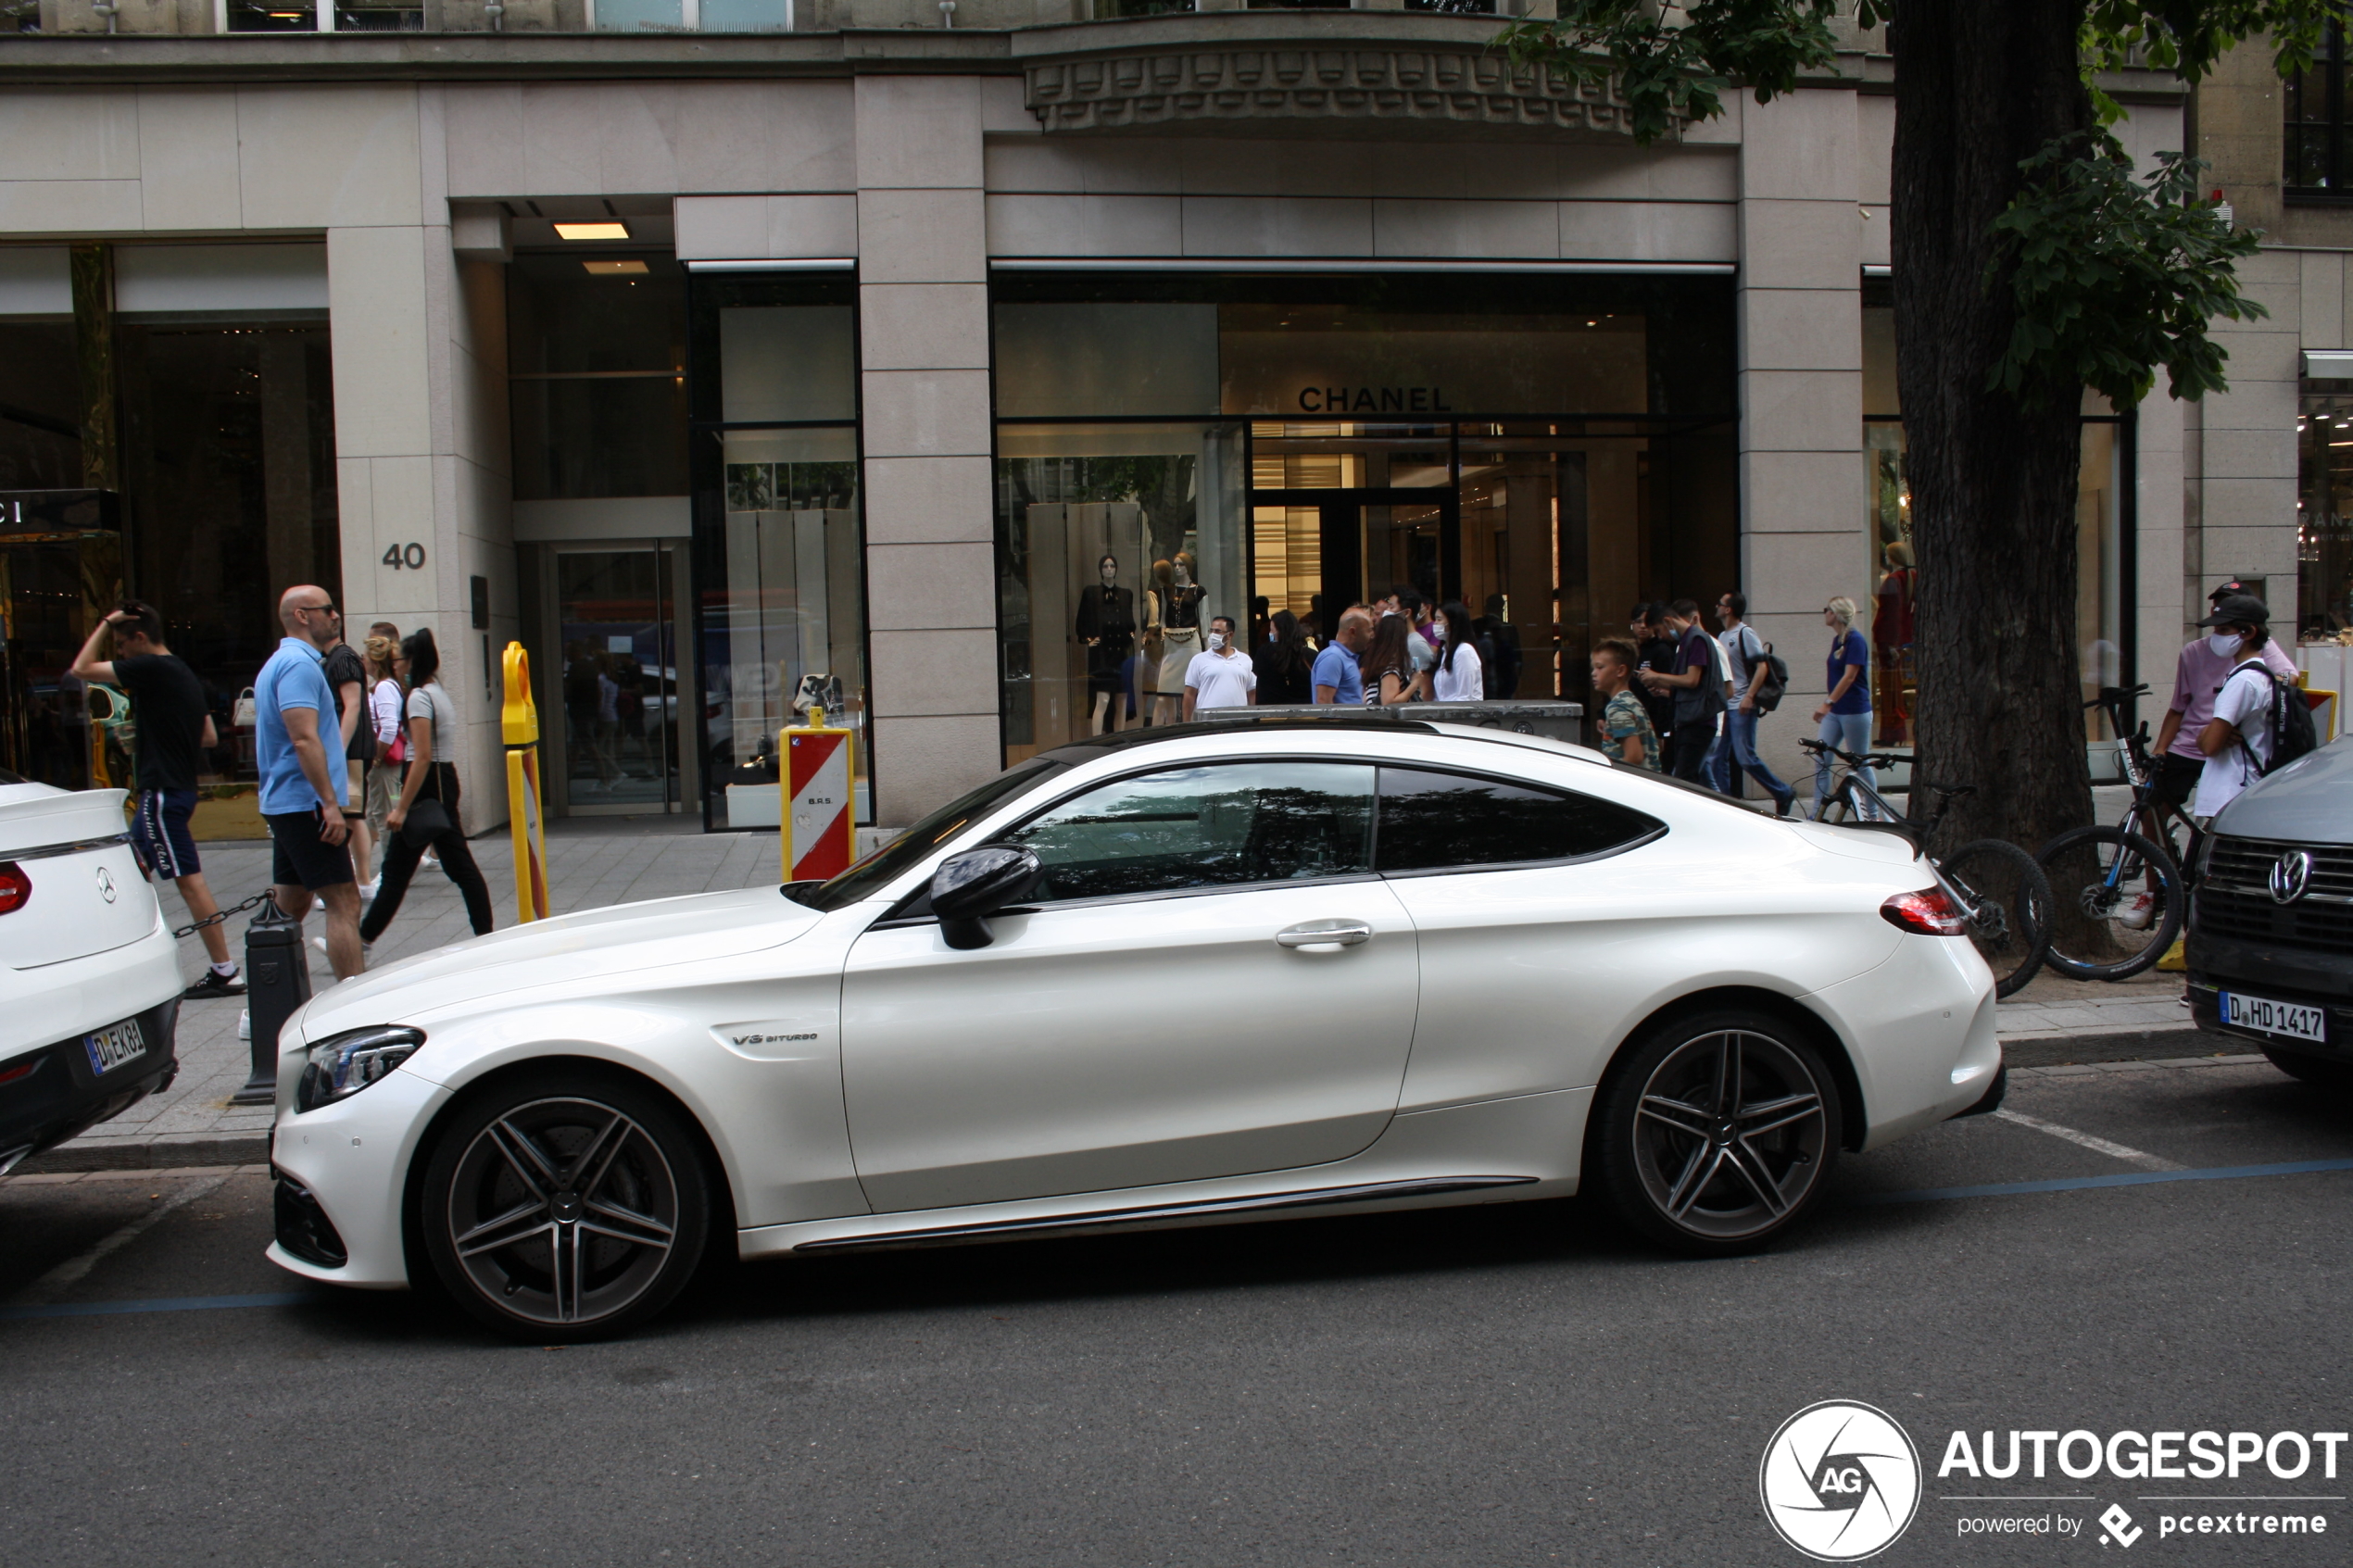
1209	981
1542	915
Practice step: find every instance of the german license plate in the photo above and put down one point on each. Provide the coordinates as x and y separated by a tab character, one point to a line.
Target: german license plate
2292	1020
115	1044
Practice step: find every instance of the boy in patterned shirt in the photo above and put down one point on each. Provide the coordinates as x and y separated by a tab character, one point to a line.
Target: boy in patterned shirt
1626	733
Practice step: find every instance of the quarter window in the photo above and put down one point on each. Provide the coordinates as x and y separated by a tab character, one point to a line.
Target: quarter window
1187	828
1433	821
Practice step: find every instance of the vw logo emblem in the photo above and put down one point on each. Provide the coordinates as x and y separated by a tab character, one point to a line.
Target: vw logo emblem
106	884
2290	874
1840	1481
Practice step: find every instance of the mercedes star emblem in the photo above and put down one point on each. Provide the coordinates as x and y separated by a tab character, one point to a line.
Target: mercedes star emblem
106	884
2290	874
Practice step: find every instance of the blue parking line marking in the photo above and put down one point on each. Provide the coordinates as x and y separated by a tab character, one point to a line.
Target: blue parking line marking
156	1304
2078	1184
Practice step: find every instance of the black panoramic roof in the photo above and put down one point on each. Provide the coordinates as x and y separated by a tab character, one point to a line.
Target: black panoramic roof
1153	735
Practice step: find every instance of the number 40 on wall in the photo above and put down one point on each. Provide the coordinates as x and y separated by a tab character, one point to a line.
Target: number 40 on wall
411	556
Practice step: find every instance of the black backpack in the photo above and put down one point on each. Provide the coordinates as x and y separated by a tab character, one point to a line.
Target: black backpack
2294	735
1776	686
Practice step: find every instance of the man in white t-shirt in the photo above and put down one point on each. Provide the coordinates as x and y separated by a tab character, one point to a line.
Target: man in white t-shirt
1221	677
2237	740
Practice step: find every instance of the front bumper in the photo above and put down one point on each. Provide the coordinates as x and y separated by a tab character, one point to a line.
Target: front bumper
350	1164
2279	970
55	1092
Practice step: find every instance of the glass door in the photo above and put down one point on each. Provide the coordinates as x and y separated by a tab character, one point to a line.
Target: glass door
618	679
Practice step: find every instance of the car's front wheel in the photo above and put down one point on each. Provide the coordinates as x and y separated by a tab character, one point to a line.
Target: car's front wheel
562	1207
1718	1130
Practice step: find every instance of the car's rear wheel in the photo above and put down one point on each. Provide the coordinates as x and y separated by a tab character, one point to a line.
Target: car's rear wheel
565	1207
1717	1132
2318	1071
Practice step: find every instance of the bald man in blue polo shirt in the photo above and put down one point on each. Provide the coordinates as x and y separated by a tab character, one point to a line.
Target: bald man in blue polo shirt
302	778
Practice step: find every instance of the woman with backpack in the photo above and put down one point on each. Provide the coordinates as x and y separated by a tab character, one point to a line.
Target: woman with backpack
425	815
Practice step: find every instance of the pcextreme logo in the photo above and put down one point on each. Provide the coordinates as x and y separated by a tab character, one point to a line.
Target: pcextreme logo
1840	1481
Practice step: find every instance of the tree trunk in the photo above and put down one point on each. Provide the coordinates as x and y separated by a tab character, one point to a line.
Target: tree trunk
1982	85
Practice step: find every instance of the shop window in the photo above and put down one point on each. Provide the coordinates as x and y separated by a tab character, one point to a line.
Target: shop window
2318	163
1544	448
2324	517
1113	10
596	362
693	15
779	529
1117	544
1890	617
1192	829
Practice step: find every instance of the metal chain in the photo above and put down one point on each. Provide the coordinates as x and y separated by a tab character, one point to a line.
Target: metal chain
255	902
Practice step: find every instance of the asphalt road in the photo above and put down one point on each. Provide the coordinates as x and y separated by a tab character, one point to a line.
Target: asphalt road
1513	1385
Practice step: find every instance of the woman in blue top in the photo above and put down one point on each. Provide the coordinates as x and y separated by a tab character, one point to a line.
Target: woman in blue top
1846	715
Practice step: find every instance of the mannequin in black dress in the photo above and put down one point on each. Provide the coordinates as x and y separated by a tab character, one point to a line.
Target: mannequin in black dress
1107	625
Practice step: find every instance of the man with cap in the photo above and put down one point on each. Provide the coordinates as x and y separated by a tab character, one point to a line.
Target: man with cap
2237	738
2197	678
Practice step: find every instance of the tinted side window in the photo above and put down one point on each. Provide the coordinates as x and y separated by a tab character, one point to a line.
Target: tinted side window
1430	821
1205	827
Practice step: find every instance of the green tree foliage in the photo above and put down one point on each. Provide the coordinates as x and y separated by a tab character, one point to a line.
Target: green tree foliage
2113	277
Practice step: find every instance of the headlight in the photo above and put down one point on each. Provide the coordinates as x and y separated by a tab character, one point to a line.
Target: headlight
343	1064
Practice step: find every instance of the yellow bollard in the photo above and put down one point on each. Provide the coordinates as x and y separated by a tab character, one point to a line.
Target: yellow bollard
817	780
519	726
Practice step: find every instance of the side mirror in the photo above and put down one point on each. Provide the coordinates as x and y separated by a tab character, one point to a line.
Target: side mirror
969	887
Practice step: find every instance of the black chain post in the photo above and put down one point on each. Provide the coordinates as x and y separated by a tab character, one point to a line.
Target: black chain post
277	981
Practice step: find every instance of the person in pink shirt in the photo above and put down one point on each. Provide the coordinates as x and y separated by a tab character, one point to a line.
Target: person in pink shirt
2198	675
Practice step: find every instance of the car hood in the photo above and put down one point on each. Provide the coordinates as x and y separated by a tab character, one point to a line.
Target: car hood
2310	801
569	950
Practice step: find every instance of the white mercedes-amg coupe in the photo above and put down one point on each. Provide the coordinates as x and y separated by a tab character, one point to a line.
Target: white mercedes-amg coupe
1239	971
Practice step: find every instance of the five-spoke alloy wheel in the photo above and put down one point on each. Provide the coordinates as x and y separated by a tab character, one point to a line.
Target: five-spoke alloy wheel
1716	1131
563	1209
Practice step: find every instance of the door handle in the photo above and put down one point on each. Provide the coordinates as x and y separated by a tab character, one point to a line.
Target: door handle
1325	935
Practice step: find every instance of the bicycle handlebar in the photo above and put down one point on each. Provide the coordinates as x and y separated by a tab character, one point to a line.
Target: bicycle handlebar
2109	696
1884	760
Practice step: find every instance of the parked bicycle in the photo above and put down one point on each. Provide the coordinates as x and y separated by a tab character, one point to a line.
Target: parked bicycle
2002	893
2125	884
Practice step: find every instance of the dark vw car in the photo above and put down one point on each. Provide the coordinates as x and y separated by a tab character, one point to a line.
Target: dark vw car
2271	943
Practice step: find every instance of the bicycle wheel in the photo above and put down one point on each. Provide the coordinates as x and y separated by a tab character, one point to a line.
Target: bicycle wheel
2009	902
2116	902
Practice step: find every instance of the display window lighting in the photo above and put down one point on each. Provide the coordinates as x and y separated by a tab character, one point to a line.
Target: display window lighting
600	230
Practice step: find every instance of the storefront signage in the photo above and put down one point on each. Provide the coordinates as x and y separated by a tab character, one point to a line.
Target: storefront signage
1374	400
56	511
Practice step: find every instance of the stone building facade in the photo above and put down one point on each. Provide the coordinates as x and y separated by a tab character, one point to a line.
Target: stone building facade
756	352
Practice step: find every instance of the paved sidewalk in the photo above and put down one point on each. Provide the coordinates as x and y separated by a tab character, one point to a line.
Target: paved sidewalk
594	862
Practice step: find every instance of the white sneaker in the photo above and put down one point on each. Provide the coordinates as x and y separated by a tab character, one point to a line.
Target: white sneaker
2139	913
244	1024
320	943
367	889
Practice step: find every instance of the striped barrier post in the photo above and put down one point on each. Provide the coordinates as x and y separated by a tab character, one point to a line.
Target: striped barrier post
518	726
819	821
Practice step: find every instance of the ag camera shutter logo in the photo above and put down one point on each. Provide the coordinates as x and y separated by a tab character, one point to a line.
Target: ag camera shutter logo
1840	1481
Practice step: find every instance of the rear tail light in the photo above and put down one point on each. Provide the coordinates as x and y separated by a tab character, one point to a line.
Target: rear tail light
16	887
1929	912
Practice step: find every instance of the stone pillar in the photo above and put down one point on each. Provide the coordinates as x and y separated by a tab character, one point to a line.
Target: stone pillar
1799	315
2246	458
421	449
923	312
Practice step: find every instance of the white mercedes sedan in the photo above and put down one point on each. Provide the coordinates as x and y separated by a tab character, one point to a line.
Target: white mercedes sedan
1238	971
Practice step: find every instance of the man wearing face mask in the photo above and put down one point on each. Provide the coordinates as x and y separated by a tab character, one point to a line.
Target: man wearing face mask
2198	677
2237	738
1220	677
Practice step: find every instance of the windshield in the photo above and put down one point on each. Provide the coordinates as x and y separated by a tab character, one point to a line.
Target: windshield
870	876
